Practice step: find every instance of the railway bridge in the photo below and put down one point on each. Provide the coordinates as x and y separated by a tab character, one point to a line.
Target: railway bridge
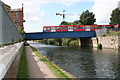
67	34
84	37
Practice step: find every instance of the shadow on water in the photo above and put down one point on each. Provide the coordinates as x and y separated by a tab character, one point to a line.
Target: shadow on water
85	62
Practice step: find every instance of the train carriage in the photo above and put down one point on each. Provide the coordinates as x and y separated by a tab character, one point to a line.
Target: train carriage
76	28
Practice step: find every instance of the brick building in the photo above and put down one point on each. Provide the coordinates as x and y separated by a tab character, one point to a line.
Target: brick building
17	16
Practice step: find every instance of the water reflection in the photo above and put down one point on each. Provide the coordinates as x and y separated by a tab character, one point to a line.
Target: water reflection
83	62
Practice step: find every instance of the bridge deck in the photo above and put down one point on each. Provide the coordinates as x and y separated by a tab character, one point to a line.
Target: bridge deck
46	35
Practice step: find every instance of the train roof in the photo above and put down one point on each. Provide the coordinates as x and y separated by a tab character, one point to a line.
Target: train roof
78	25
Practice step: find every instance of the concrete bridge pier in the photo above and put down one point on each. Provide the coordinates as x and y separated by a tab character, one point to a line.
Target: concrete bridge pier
85	41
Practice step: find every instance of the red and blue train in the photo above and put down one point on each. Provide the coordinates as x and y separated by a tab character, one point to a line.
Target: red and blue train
79	28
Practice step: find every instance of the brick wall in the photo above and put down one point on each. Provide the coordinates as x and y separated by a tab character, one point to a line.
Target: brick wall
17	17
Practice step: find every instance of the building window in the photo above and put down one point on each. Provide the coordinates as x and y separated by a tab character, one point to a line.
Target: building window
16	22
17	14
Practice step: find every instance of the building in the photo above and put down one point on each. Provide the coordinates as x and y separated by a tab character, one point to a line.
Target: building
17	16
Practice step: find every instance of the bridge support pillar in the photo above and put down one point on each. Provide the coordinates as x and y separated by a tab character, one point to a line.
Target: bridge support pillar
78	39
85	42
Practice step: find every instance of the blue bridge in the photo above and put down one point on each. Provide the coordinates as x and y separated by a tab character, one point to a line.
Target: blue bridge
70	34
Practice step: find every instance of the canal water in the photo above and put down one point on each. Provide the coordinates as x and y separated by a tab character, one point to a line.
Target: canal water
82	62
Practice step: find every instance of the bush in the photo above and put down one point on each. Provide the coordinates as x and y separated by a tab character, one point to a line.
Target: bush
66	41
99	46
74	43
56	43
113	33
50	41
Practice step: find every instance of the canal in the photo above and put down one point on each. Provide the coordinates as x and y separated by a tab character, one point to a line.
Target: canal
82	62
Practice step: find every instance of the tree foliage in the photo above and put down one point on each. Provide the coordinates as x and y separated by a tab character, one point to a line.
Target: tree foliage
77	22
21	30
87	18
64	23
70	23
115	16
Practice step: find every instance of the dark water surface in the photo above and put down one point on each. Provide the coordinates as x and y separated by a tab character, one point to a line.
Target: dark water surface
82	62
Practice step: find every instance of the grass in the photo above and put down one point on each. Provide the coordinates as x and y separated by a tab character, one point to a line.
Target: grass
114	33
57	71
23	70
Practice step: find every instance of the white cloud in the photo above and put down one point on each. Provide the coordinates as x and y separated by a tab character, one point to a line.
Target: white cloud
103	9
33	14
74	16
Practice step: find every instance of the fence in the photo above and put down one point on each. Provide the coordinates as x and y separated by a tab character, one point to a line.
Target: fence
101	31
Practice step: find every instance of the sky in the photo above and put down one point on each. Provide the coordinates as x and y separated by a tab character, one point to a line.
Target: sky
39	13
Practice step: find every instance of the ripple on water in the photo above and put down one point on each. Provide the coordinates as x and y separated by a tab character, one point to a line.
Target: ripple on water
83	62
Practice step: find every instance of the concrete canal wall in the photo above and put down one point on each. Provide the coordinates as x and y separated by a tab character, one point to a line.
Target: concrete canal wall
107	41
9	60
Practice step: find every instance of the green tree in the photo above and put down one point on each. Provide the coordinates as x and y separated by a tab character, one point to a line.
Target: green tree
115	16
58	40
21	30
77	22
64	23
87	18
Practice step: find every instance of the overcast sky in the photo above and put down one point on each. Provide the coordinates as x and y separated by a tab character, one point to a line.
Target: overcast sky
39	13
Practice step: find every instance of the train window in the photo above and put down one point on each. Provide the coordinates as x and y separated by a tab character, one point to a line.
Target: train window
98	27
70	27
75	27
83	27
64	28
108	26
61	28
53	28
92	27
45	29
87	27
48	28
57	28
103	26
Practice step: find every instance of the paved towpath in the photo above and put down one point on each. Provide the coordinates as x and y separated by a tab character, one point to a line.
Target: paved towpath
36	68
